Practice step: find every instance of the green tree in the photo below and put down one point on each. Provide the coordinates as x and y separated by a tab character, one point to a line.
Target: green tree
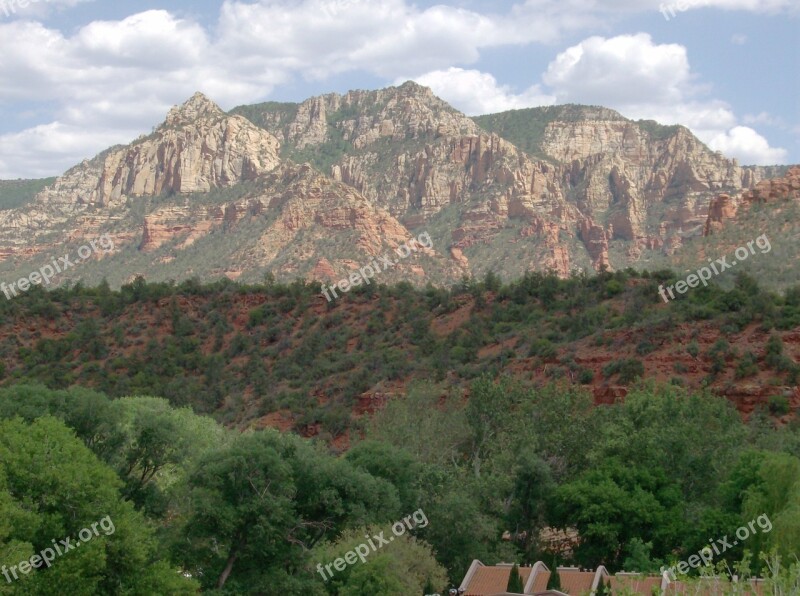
638	557
51	488
554	581
412	561
533	488
515	581
460	531
378	579
393	464
259	505
614	503
417	423
488	412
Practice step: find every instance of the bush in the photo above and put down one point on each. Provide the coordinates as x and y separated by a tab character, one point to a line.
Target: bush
774	351
644	348
542	348
747	367
779	405
628	369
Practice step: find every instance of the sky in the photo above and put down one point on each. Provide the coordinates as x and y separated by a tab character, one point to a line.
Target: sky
77	76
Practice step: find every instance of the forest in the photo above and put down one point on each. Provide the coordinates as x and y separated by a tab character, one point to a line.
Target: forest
645	483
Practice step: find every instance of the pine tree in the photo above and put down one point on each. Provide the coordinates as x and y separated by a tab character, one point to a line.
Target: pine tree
515	581
554	583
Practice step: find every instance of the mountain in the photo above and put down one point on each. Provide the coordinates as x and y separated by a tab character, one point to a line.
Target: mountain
316	189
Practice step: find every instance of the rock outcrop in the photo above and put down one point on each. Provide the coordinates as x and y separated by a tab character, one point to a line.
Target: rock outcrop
317	188
605	178
724	207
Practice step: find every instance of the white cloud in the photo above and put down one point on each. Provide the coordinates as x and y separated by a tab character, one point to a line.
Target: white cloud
763	118
748	146
53	148
645	80
623	69
474	92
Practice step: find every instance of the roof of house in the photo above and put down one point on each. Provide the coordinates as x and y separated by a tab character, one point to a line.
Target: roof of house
488	581
575	581
484	580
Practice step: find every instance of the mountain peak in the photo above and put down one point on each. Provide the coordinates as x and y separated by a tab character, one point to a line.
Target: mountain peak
197	106
415	88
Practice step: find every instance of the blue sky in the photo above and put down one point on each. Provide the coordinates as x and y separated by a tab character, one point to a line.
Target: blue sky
77	76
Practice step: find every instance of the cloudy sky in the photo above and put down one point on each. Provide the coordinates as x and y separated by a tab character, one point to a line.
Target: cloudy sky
77	76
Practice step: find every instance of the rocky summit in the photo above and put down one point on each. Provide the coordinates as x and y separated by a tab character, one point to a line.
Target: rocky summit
316	189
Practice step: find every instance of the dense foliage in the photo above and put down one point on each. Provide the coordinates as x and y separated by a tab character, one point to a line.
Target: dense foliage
242	352
645	482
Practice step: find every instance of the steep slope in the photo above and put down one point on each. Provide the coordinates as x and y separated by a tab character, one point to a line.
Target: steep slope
281	355
206	194
771	210
563	187
210	193
198	147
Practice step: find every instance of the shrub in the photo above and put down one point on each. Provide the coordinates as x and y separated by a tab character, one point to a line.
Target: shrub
628	369
747	367
644	348
774	351
779	405
542	348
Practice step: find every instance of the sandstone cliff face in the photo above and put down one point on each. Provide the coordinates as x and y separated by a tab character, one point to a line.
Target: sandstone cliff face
594	191
294	209
607	179
196	149
724	208
364	117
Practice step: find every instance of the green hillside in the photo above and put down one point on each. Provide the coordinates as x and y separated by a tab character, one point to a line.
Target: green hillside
18	193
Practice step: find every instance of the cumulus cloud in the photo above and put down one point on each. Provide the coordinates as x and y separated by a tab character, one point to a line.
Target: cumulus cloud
749	146
474	92
645	80
628	69
111	77
53	148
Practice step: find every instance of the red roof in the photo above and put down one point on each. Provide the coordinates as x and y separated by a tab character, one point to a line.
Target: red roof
488	581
